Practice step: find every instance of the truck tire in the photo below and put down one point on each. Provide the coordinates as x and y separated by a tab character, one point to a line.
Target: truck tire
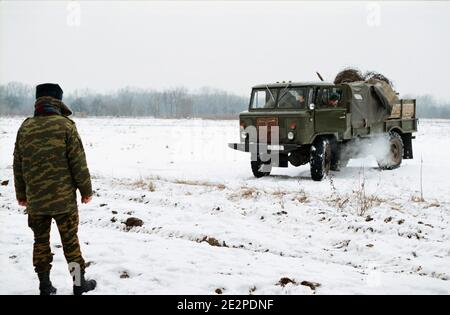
320	159
335	155
395	155
256	168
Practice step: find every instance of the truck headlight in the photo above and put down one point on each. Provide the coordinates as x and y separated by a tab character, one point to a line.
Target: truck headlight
244	135
291	135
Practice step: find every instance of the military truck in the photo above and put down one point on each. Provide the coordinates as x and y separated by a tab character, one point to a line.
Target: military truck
324	124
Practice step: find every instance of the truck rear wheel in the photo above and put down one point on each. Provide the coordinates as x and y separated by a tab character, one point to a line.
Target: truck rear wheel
395	154
260	169
320	159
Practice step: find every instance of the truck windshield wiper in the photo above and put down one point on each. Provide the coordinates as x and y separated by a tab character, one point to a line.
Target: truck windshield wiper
270	92
284	92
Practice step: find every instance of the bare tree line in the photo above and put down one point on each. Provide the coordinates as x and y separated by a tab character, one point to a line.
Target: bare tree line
17	99
430	107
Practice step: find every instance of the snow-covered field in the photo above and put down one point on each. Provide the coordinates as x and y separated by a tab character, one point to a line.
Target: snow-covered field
208	224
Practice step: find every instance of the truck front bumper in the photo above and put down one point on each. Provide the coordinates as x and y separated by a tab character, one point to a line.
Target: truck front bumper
263	147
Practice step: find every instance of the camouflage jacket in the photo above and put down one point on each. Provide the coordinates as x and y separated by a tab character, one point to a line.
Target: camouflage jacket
50	163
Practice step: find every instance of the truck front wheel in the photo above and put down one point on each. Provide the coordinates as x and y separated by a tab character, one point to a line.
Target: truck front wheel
320	159
394	156
335	154
260	169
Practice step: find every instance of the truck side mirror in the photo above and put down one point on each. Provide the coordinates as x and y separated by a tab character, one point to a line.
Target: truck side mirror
312	106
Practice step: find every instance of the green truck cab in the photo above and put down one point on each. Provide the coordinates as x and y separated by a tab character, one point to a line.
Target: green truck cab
324	124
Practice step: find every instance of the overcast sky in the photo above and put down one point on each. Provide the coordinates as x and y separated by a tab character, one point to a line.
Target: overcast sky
229	45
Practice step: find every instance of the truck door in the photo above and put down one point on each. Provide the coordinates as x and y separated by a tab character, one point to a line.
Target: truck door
329	114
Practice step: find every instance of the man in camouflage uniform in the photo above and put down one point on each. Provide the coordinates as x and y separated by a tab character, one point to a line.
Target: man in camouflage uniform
49	166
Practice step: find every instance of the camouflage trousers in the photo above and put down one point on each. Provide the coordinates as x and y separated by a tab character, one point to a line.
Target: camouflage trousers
67	224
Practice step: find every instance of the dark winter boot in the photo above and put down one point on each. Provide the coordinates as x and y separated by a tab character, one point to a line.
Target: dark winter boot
85	285
45	285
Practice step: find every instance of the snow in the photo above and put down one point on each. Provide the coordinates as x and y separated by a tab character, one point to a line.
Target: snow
360	231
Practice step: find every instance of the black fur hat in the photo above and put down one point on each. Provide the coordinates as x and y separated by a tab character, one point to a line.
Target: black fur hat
49	89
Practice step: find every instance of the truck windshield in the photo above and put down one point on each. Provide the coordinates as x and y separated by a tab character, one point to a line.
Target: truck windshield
264	98
294	97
